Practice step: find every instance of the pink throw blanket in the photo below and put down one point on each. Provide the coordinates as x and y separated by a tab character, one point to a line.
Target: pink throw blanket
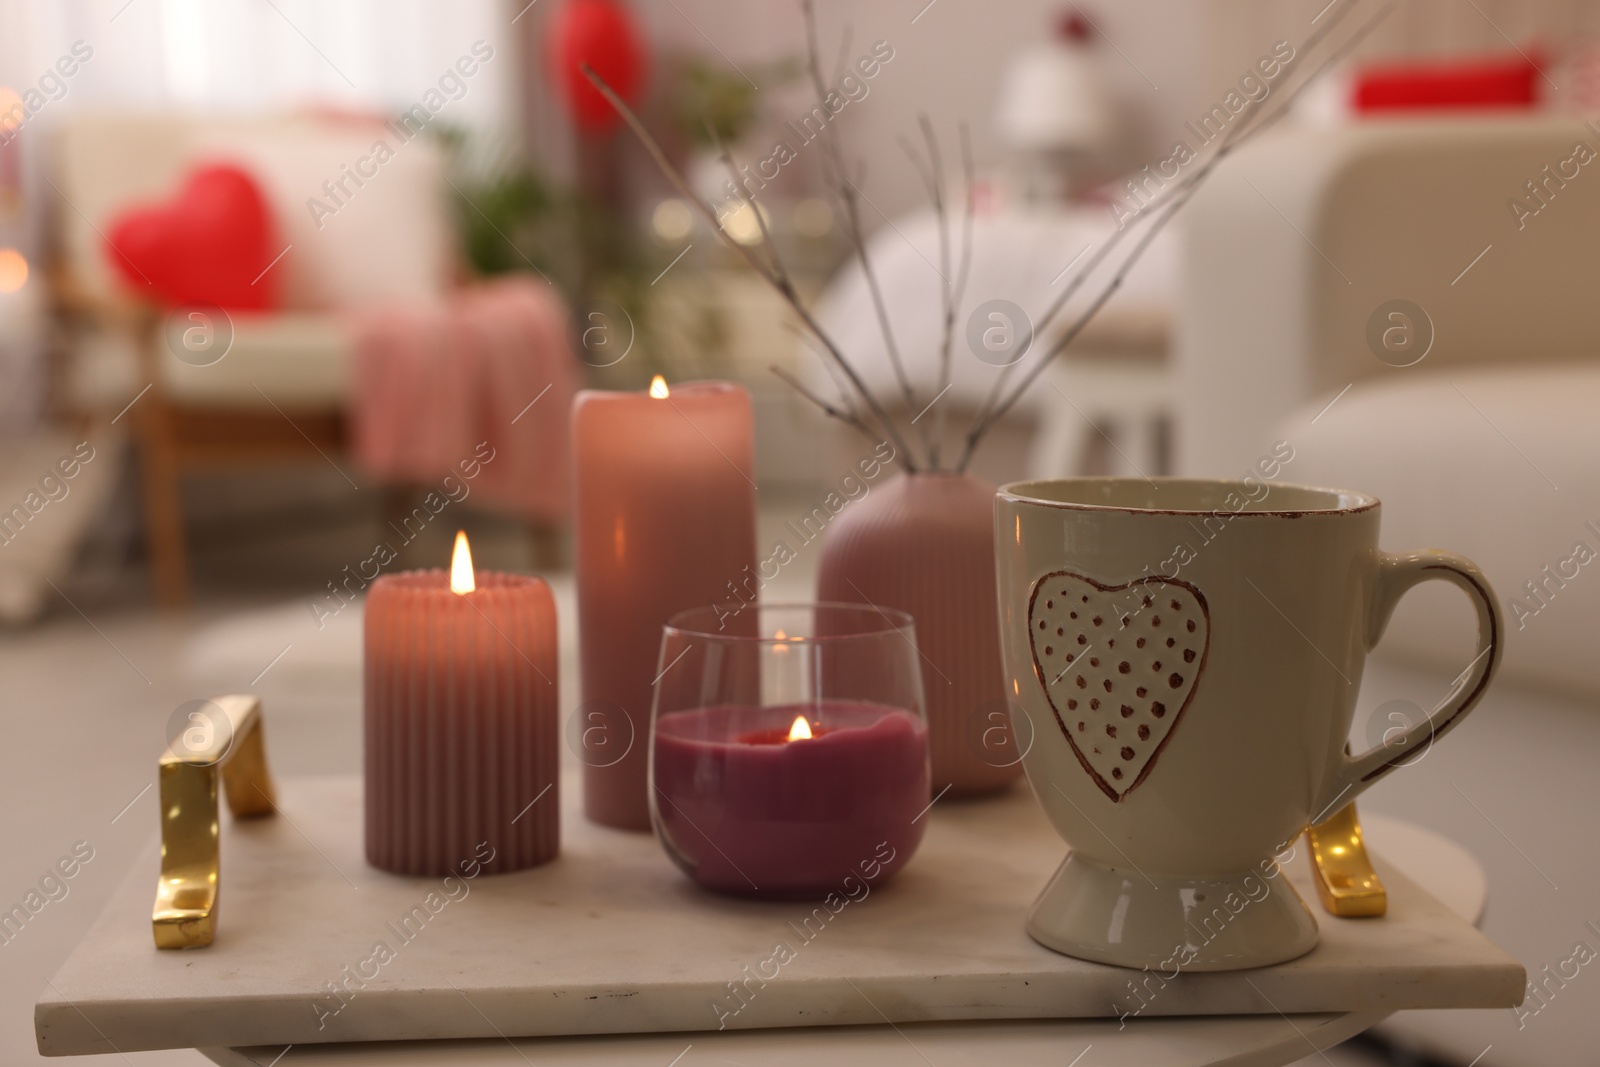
491	363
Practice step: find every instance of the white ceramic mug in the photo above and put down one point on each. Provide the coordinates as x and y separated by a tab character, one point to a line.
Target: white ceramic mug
1188	654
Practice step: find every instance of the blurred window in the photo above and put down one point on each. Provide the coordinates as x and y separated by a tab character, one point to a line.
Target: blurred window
262	55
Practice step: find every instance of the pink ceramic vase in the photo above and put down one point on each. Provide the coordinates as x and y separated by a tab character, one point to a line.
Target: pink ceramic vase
924	543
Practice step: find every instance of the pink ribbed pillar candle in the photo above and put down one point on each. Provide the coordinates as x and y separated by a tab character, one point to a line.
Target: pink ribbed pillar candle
461	723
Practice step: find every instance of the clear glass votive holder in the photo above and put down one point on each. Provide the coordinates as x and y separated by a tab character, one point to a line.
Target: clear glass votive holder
789	747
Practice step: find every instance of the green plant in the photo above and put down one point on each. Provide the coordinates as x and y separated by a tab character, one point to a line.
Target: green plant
709	102
498	219
511	218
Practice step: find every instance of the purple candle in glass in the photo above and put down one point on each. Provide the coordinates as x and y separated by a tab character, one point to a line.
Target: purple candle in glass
789	751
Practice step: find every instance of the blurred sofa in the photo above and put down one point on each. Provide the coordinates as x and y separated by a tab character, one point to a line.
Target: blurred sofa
1410	304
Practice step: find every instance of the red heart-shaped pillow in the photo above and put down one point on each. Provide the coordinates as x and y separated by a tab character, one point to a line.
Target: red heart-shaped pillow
209	244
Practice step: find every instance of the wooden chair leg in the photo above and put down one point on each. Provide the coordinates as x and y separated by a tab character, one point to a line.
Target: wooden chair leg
163	508
397	503
1161	433
549	543
1097	456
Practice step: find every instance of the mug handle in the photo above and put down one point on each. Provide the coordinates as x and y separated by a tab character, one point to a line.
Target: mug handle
1397	573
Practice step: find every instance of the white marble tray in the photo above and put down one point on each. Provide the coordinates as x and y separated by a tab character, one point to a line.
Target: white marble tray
611	938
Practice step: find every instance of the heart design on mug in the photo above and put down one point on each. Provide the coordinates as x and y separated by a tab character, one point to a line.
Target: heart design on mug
1119	665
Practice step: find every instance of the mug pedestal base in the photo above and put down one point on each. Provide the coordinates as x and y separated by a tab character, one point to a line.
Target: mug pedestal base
1175	924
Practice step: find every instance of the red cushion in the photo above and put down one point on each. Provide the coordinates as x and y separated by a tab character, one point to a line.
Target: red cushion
209	244
1510	82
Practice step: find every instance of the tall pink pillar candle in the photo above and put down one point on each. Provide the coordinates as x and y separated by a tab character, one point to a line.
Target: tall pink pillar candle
666	520
461	724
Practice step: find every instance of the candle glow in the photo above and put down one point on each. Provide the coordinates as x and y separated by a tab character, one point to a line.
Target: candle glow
658	387
461	579
13	270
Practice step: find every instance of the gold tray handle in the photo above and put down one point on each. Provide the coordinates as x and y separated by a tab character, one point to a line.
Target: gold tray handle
229	737
1346	883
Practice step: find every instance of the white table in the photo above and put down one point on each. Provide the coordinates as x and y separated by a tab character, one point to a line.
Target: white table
1436	864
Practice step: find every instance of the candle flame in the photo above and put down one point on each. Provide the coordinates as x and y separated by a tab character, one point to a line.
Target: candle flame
801	730
461	579
658	387
780	649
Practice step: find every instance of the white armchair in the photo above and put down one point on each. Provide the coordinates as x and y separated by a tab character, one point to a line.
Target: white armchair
1485	445
1486	442
1297	241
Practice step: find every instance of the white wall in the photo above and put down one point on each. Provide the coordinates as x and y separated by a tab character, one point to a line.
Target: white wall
947	63
1172	57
